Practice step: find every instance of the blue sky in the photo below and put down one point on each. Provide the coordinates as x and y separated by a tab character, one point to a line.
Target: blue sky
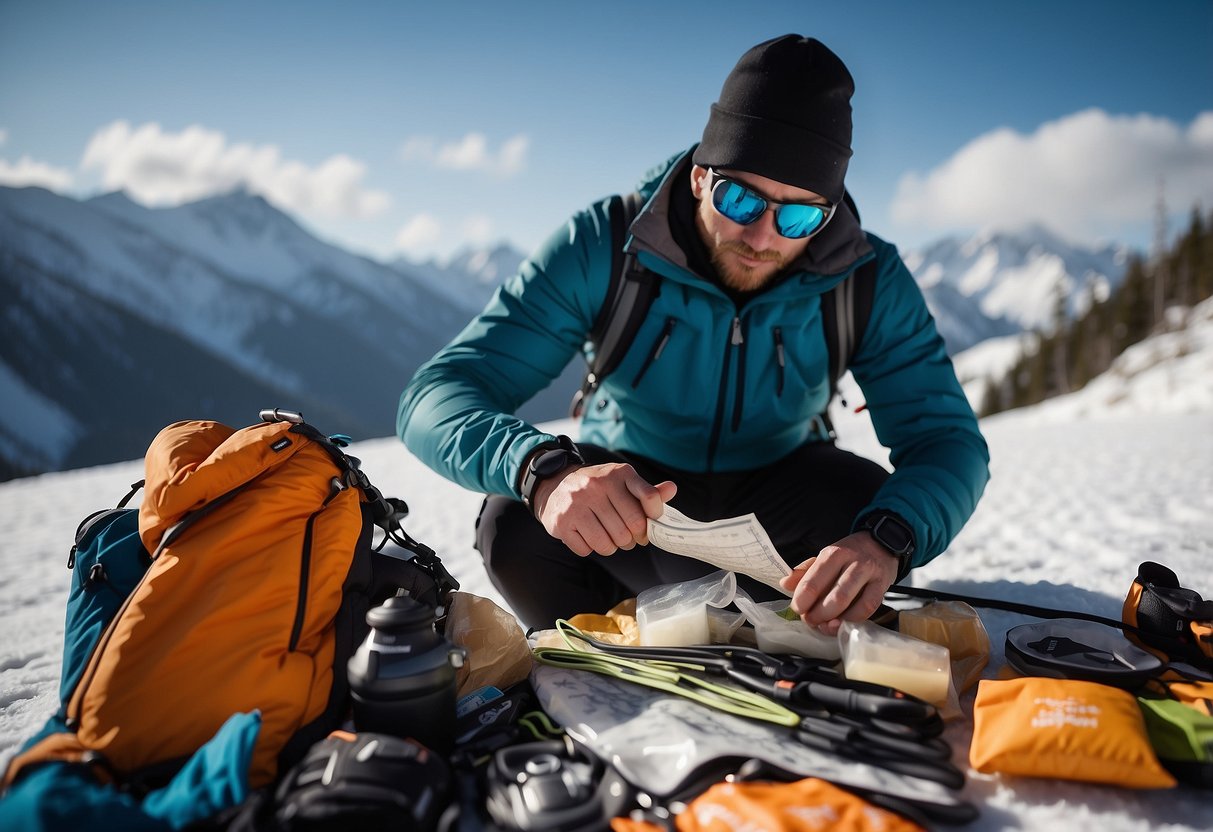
420	128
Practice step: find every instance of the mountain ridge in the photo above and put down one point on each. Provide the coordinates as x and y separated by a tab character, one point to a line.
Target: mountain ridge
231	285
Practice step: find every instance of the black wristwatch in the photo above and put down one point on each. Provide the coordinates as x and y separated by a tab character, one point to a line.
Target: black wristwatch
893	533
552	458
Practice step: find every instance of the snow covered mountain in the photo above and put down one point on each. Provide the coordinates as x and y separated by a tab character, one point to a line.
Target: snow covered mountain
470	277
993	285
1000	283
119	319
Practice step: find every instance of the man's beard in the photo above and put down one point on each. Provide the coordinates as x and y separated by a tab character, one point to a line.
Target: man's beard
739	276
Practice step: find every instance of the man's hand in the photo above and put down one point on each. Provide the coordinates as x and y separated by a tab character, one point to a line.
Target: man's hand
600	508
844	582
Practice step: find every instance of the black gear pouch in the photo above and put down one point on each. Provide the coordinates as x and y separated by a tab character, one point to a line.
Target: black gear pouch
369	782
1172	621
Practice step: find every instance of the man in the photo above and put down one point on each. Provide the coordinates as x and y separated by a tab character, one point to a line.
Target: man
716	407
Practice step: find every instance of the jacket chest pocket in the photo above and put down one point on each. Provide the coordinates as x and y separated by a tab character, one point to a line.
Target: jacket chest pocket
788	364
667	366
655	350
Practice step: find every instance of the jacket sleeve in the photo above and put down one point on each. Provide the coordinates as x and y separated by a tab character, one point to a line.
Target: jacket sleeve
920	412
455	414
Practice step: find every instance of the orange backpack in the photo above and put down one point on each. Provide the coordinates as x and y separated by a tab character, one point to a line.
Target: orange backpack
260	577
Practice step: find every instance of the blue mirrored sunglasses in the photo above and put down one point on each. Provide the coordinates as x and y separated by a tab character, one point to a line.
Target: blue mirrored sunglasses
794	220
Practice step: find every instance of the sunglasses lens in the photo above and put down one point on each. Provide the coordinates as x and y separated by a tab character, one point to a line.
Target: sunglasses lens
796	221
739	204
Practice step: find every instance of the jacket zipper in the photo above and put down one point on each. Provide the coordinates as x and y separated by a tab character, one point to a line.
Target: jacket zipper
779	357
739	340
655	352
714	441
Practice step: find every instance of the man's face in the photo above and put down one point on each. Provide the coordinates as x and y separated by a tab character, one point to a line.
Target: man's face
747	257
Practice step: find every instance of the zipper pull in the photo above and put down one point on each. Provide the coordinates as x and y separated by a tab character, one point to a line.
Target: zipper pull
779	358
737	339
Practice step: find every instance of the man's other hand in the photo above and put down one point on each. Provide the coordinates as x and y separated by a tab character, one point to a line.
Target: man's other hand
846	581
600	508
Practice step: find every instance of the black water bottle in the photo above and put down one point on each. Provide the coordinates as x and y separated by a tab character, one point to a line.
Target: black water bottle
402	676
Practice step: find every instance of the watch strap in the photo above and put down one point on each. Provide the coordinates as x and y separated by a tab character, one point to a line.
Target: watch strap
546	459
886	527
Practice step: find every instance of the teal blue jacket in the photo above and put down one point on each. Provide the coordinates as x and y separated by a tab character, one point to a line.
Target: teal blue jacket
732	388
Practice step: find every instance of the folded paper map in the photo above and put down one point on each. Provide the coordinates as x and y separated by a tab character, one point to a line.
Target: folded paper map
737	544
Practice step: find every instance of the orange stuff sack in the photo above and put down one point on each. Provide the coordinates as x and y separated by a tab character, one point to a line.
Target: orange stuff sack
804	805
1064	729
808	805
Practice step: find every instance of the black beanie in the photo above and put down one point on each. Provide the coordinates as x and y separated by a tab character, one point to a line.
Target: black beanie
784	113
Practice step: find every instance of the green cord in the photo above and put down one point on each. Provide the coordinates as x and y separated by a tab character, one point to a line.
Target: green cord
667	676
547	729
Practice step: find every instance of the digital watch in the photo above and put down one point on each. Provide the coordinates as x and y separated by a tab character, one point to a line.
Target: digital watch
894	534
547	459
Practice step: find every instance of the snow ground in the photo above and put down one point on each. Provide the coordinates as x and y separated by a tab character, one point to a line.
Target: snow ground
1076	502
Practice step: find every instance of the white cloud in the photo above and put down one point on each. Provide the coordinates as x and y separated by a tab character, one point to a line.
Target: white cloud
1081	175
419	234
30	172
472	152
478	230
418	148
158	167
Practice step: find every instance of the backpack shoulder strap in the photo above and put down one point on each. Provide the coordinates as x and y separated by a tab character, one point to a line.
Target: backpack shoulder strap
630	292
845	311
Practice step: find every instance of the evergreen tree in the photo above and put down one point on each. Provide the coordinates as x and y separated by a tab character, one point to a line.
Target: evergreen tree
1133	316
1071	354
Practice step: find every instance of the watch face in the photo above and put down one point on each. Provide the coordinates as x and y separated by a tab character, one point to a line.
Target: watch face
893	535
550	462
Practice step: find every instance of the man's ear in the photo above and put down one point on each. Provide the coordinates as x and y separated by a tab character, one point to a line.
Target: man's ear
699	181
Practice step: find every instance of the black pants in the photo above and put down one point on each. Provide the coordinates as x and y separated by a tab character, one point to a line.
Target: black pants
805	501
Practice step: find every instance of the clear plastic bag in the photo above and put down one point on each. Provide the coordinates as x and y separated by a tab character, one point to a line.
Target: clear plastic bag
676	615
776	634
956	626
870	653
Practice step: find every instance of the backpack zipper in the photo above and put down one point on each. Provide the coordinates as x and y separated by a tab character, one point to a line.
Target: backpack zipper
735	338
780	360
71	716
305	568
336	486
658	347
